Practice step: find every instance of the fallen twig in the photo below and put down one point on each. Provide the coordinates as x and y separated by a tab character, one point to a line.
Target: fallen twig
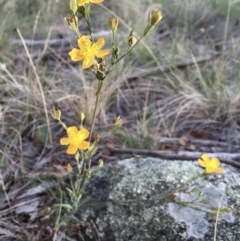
201	142
228	158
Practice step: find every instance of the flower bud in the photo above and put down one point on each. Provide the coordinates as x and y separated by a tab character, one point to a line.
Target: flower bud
155	17
97	138
56	113
100	75
118	122
132	40
72	22
113	23
82	116
73	6
102	65
116	52
101	71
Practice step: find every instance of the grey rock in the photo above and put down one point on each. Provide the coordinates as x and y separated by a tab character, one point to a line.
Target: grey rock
132	200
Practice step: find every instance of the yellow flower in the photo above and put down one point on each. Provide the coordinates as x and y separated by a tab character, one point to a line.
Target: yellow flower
82	2
75	139
88	50
211	164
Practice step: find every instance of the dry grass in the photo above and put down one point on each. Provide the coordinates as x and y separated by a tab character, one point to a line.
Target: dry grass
171	101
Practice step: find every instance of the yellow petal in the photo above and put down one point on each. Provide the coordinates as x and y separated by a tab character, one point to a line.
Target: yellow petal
100	43
210	170
88	61
82	2
83	133
215	162
201	163
72	149
205	158
96	1
102	53
219	170
84	42
84	145
64	141
72	131
76	55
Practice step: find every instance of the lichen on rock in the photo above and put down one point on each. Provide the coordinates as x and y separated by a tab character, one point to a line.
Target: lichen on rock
133	206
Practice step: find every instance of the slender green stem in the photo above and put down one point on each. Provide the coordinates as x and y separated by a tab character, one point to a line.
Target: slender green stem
71	182
89	28
113	37
60	211
100	87
128	52
96	106
63	124
78	33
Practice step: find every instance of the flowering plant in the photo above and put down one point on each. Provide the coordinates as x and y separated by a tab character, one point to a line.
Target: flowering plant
79	141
